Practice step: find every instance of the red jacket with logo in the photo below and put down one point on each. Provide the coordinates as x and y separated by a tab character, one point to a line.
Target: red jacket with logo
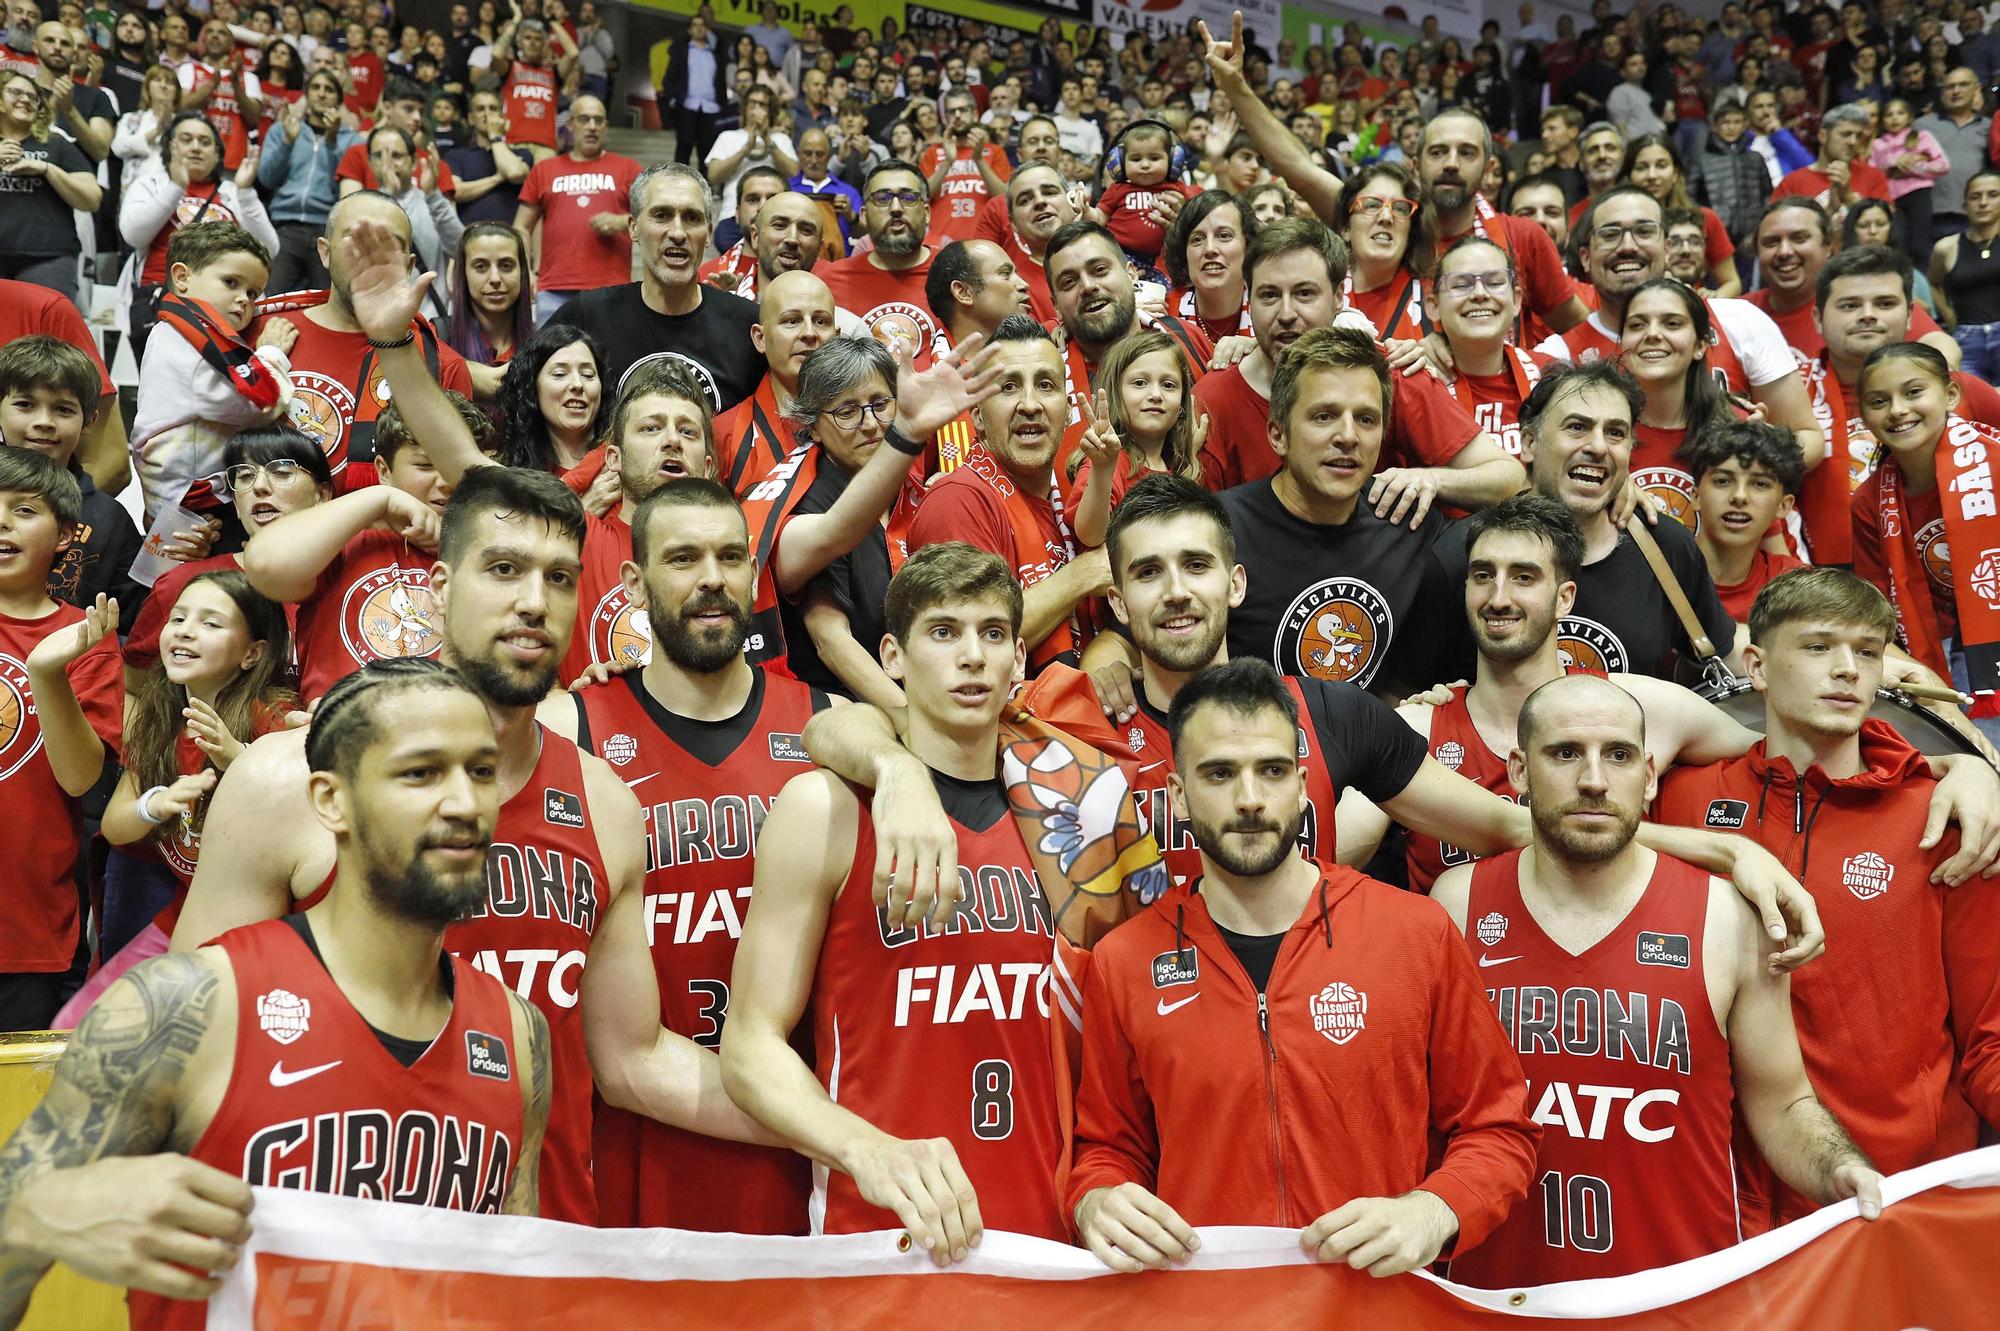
1900	1021
1371	1054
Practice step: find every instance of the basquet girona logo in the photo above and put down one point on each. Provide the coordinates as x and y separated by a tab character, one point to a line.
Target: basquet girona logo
619	631
390	612
20	732
1336	631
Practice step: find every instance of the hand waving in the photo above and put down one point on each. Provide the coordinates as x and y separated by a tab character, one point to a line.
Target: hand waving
954	383
1100	443
210	733
385	293
64	647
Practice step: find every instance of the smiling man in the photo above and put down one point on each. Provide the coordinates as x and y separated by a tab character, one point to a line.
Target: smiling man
883	287
795	314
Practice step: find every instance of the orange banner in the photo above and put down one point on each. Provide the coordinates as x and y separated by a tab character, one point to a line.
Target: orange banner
319	1263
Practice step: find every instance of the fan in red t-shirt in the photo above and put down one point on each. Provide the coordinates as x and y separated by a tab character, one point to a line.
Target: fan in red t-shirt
1841	173
1747	476
962	172
581	202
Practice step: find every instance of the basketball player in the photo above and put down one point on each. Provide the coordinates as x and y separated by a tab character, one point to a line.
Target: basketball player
706	740
1634	988
1375	1040
936	1041
569	836
1520	580
336	1051
1900	1025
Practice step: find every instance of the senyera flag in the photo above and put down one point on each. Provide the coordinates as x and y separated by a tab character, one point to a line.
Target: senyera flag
321	1263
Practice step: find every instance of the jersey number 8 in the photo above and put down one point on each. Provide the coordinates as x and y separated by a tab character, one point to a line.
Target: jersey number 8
992	1100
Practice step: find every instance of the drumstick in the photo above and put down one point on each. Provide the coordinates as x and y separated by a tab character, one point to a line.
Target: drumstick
1932	693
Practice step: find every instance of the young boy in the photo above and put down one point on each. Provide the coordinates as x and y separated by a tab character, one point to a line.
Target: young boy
1144	163
359	566
62	702
48	394
206	382
1746	477
1686	257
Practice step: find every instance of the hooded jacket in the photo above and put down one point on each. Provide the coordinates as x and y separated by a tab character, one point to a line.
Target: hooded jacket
1372	1052
1735	183
1900	1021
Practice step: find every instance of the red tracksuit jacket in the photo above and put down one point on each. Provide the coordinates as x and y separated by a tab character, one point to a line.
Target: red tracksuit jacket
1900	1021
1372	1050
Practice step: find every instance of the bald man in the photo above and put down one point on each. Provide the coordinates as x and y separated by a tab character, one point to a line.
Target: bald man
576	210
817	181
84	113
795	314
1634	987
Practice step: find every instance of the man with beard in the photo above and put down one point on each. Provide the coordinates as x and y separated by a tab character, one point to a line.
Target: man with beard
1540	199
720	736
1179	1120
795	314
221	85
883	287
1039	205
1622	243
1294	269
734	267
578	203
1004	497
963	171
569	835
899	1037
668	314
1451	163
1669	964
1898	1024
136	1168
82	112
1039	143
337	378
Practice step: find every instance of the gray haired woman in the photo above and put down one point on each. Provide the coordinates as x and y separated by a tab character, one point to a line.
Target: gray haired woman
830	561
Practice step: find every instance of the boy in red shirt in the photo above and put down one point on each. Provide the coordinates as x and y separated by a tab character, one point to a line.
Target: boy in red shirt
1900	1021
1143	166
62	700
1746	478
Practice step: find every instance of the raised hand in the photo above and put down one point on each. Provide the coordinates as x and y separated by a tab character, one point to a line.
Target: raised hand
955	383
1224	59
246	170
180	799
384	293
210	734
1100	443
62	648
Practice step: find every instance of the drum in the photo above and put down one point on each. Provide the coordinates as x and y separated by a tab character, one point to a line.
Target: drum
1923	730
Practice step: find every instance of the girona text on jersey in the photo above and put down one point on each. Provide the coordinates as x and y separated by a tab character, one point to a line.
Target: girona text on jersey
993	898
1588	1023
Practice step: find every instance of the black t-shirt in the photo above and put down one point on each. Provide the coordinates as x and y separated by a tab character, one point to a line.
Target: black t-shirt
469	161
1332	602
33	217
1622	619
100	560
883	116
713	341
92	104
858	582
1257	952
125	79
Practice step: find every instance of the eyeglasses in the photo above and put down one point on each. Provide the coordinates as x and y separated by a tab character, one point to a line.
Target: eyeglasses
1372	204
889	198
244	474
1495	280
1686	242
883	409
1612	233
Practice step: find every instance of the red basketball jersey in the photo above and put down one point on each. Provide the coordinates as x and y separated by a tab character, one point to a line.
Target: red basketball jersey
316	1103
529	98
1456	744
1630	1078
945	1033
703	812
607	627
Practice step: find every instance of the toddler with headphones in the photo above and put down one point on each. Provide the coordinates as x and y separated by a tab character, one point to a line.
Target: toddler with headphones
1144	164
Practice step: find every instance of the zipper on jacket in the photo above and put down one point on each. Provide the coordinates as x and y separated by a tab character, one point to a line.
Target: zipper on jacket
1271	1096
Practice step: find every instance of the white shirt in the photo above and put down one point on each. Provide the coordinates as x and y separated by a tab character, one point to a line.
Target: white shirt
728	144
1079	137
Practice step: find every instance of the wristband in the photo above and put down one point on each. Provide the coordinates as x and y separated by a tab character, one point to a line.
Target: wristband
145	807
402	341
902	443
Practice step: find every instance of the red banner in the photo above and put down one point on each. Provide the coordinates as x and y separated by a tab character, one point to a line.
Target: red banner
319	1263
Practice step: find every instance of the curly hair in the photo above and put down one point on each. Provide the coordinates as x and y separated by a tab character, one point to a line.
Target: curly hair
526	441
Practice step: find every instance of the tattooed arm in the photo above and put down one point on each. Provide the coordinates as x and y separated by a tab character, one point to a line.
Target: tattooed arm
69	1191
531	1032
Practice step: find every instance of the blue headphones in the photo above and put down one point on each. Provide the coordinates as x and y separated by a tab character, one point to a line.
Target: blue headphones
1177	158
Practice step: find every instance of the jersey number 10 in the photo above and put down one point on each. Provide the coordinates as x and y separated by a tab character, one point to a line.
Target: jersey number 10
1576	1212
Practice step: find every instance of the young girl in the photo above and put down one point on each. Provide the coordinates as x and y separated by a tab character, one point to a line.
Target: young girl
1146	423
1654	165
1665	341
1930	495
1913	160
222	654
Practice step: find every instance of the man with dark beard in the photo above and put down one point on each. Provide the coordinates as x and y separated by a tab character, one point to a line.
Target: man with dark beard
360	1000
1092	286
1371	1014
1669	966
569	836
883	287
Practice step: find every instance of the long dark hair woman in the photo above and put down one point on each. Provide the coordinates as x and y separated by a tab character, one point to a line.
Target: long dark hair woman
492	303
552	402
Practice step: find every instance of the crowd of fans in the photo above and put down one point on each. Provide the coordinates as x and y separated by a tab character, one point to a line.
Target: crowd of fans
1380	366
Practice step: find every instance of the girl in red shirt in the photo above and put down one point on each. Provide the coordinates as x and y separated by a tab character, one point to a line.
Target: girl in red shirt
1666	339
1654	165
1144	422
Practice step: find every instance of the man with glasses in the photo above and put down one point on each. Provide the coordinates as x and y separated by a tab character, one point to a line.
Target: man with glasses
1962	131
1686	260
884	286
963	172
578	204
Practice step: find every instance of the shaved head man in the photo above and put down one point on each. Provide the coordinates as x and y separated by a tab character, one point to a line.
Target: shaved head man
795	315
